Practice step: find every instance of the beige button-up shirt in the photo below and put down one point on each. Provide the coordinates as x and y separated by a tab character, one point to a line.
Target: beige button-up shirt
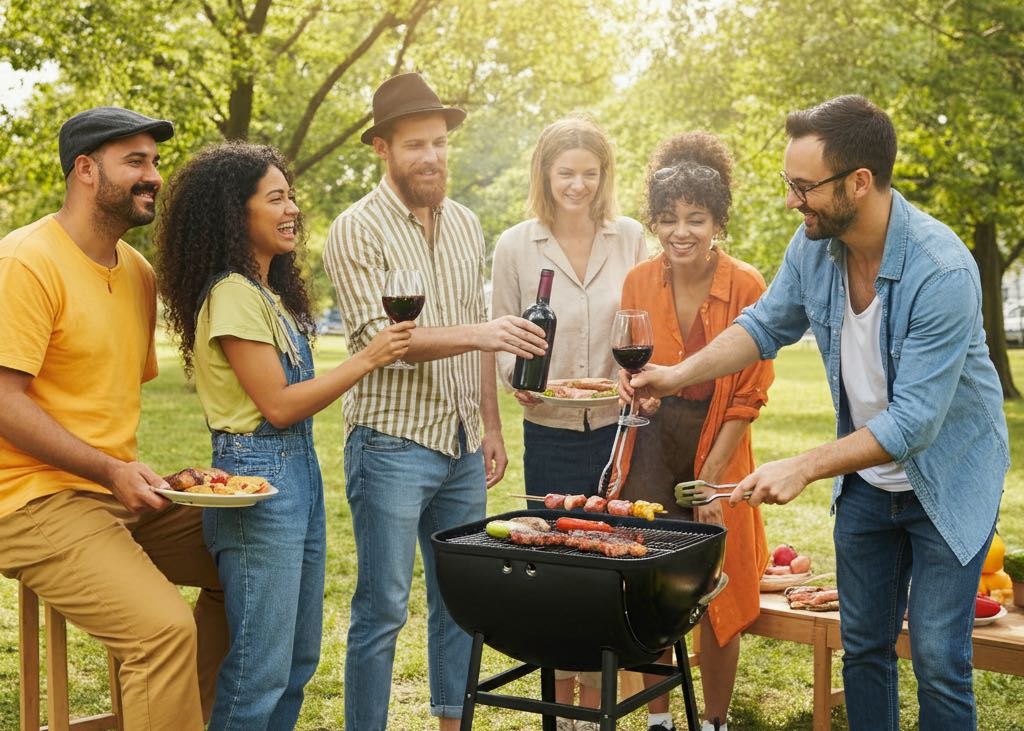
378	233
585	310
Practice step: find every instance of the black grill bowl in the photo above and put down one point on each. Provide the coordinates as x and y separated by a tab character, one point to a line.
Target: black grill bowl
557	607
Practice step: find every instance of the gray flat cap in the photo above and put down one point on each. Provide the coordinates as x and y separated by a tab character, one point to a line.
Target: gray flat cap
88	130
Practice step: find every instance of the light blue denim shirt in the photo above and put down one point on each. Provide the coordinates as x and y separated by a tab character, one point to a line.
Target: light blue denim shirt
945	424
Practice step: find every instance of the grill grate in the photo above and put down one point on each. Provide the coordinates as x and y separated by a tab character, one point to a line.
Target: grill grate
659	543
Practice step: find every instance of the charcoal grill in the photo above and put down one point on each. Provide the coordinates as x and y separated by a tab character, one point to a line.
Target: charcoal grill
556	607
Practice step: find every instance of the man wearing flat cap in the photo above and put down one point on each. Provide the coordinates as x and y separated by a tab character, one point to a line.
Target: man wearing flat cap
80	522
415	461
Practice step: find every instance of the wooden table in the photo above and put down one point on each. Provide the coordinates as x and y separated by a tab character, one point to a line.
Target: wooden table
998	646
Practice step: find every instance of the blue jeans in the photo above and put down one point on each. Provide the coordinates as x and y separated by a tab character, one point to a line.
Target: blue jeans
271	558
883	539
400	491
564	460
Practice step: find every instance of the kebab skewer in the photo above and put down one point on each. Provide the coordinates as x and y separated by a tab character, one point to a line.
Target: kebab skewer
597	504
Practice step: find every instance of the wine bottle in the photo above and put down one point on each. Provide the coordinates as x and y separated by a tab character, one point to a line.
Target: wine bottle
531	374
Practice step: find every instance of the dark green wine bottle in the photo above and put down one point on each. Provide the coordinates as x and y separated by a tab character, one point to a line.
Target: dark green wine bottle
532	374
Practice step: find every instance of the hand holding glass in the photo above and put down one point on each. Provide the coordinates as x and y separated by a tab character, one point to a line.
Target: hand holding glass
632	345
403	299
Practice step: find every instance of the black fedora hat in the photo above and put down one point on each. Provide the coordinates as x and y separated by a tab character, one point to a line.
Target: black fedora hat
403	95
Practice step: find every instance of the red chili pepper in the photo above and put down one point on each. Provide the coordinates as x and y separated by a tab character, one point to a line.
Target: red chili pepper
571	524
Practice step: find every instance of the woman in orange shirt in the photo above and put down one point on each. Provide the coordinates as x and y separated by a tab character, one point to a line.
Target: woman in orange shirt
693	290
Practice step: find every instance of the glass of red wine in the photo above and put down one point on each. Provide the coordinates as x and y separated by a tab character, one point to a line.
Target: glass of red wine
632	345
403	299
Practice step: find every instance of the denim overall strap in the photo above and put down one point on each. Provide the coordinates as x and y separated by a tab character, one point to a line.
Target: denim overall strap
294	349
301	370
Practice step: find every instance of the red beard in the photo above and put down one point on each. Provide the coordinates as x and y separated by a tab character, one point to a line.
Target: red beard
423	194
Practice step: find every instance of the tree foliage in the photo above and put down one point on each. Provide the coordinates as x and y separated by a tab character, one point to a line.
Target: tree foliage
300	75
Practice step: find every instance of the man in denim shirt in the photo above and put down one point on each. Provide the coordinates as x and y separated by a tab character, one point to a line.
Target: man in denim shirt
893	298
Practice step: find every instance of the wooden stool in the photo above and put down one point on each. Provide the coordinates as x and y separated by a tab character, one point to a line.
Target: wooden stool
57	710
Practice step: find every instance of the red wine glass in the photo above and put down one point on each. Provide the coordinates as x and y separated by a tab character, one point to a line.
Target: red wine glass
403	299
632	345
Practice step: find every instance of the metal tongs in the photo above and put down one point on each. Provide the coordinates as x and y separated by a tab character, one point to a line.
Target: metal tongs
605	490
696	493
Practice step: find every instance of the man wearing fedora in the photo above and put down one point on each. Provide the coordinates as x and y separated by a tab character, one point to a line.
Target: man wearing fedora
80	522
415	461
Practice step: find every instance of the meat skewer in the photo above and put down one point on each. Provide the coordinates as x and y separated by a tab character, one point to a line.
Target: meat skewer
597	504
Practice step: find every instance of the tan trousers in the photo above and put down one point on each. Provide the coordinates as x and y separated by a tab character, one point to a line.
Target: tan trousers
113	573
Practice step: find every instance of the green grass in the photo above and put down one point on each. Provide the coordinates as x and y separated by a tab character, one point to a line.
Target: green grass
773	690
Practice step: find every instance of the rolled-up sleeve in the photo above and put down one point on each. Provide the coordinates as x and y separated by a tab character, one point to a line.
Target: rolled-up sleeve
750	393
931	360
355	264
779	317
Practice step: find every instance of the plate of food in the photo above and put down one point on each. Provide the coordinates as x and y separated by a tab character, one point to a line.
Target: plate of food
213	488
982	621
783	581
581	393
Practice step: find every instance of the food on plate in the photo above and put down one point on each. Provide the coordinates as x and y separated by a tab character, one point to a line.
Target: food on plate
213	481
596	504
786	561
813	598
581	388
985	607
783	555
800	565
571	524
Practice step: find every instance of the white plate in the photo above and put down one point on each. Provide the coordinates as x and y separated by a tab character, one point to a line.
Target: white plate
783	581
208	500
982	621
579	403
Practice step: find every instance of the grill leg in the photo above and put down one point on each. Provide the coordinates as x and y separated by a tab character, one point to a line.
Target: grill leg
609	689
472	678
683	662
547	693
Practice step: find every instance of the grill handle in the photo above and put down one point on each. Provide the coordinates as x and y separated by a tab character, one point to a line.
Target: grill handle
702	604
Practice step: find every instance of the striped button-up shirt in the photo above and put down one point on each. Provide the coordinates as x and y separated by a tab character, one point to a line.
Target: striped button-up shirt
379	233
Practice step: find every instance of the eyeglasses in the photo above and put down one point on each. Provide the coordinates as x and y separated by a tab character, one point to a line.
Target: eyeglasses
699	172
801	191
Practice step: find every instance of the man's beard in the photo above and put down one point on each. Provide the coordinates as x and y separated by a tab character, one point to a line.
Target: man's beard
119	204
425	194
832	223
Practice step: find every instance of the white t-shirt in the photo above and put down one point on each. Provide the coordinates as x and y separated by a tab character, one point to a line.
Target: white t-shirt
864	382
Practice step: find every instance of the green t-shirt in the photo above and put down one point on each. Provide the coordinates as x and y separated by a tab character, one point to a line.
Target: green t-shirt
234	307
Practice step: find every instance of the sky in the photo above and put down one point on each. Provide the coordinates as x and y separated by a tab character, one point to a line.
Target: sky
16	86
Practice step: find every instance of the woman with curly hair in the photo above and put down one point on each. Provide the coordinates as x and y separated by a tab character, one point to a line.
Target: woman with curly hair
233	295
693	290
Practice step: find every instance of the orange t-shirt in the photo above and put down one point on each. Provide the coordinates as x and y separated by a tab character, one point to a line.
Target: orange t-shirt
737	396
85	333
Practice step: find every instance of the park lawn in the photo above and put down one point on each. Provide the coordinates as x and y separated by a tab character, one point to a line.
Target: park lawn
773	690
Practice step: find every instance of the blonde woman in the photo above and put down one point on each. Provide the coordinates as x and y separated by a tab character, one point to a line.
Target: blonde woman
574	232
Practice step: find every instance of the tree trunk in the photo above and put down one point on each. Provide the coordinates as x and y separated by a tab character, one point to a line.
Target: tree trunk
239	110
990	266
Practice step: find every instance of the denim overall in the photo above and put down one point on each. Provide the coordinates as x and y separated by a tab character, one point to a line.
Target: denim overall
271	558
